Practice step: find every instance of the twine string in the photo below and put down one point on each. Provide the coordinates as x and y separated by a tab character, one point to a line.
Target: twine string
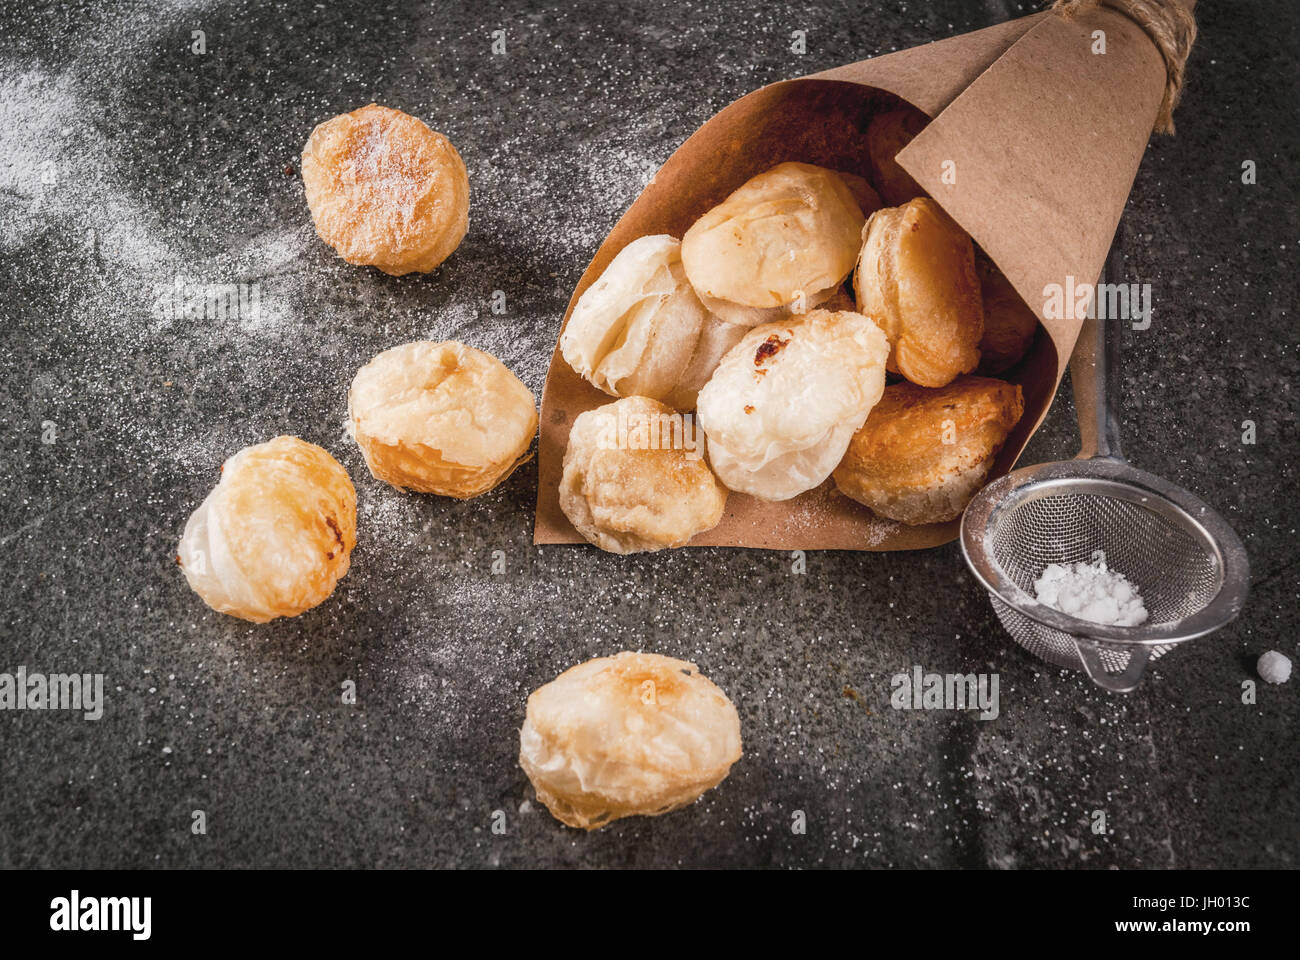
1172	28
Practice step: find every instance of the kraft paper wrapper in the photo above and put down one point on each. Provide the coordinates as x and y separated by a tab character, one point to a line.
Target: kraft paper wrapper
1046	137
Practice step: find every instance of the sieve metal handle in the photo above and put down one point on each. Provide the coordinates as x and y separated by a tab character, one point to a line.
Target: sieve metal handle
1124	682
1094	373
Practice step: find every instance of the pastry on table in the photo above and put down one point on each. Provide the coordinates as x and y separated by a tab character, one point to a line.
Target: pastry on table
635	477
275	534
640	330
636	734
887	134
916	278
386	191
780	244
923	452
1009	324
441	418
781	407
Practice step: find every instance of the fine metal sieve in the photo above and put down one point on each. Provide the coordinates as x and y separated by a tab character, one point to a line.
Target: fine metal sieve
1186	562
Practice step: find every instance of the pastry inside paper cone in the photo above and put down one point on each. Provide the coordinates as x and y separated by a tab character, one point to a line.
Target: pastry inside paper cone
781	407
779	244
866	196
887	134
923	453
1009	324
997	100
275	535
640	330
635	478
636	734
916	278
441	418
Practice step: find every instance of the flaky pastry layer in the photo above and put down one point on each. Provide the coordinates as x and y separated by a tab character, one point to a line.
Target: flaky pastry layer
276	533
923	453
441	418
386	191
635	734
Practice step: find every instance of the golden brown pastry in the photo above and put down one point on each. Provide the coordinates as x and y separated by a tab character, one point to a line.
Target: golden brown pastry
275	535
780	244
916	278
441	418
866	196
781	407
640	330
840	301
923	453
385	190
1009	324
887	134
636	734
635	478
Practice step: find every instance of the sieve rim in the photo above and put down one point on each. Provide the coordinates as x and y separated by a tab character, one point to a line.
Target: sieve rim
1106	476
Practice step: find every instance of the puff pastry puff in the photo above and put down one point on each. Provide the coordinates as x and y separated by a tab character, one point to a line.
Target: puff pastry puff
923	453
781	407
1009	324
385	190
441	418
916	278
636	734
635	478
275	534
887	134
780	244
640	330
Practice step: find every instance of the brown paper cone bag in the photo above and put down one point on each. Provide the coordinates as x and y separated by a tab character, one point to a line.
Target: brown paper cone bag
1044	137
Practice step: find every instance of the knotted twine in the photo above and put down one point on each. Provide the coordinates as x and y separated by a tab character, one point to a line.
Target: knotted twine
1171	27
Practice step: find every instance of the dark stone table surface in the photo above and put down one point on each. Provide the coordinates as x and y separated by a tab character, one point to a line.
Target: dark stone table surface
128	161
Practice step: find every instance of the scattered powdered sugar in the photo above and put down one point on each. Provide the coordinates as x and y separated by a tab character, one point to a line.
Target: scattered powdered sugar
1274	667
1091	591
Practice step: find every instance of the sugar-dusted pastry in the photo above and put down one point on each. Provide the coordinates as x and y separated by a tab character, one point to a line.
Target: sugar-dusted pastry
1009	324
441	418
635	477
887	134
640	330
636	734
780	244
385	190
923	453
781	407
916	278
275	534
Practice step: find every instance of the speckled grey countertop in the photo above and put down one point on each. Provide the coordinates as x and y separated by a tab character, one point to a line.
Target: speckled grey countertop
127	161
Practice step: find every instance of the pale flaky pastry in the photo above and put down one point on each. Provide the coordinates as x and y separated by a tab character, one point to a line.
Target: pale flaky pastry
887	134
781	407
386	191
1009	324
441	418
636	734
780	244
640	330
923	453
275	534
916	278
635	477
